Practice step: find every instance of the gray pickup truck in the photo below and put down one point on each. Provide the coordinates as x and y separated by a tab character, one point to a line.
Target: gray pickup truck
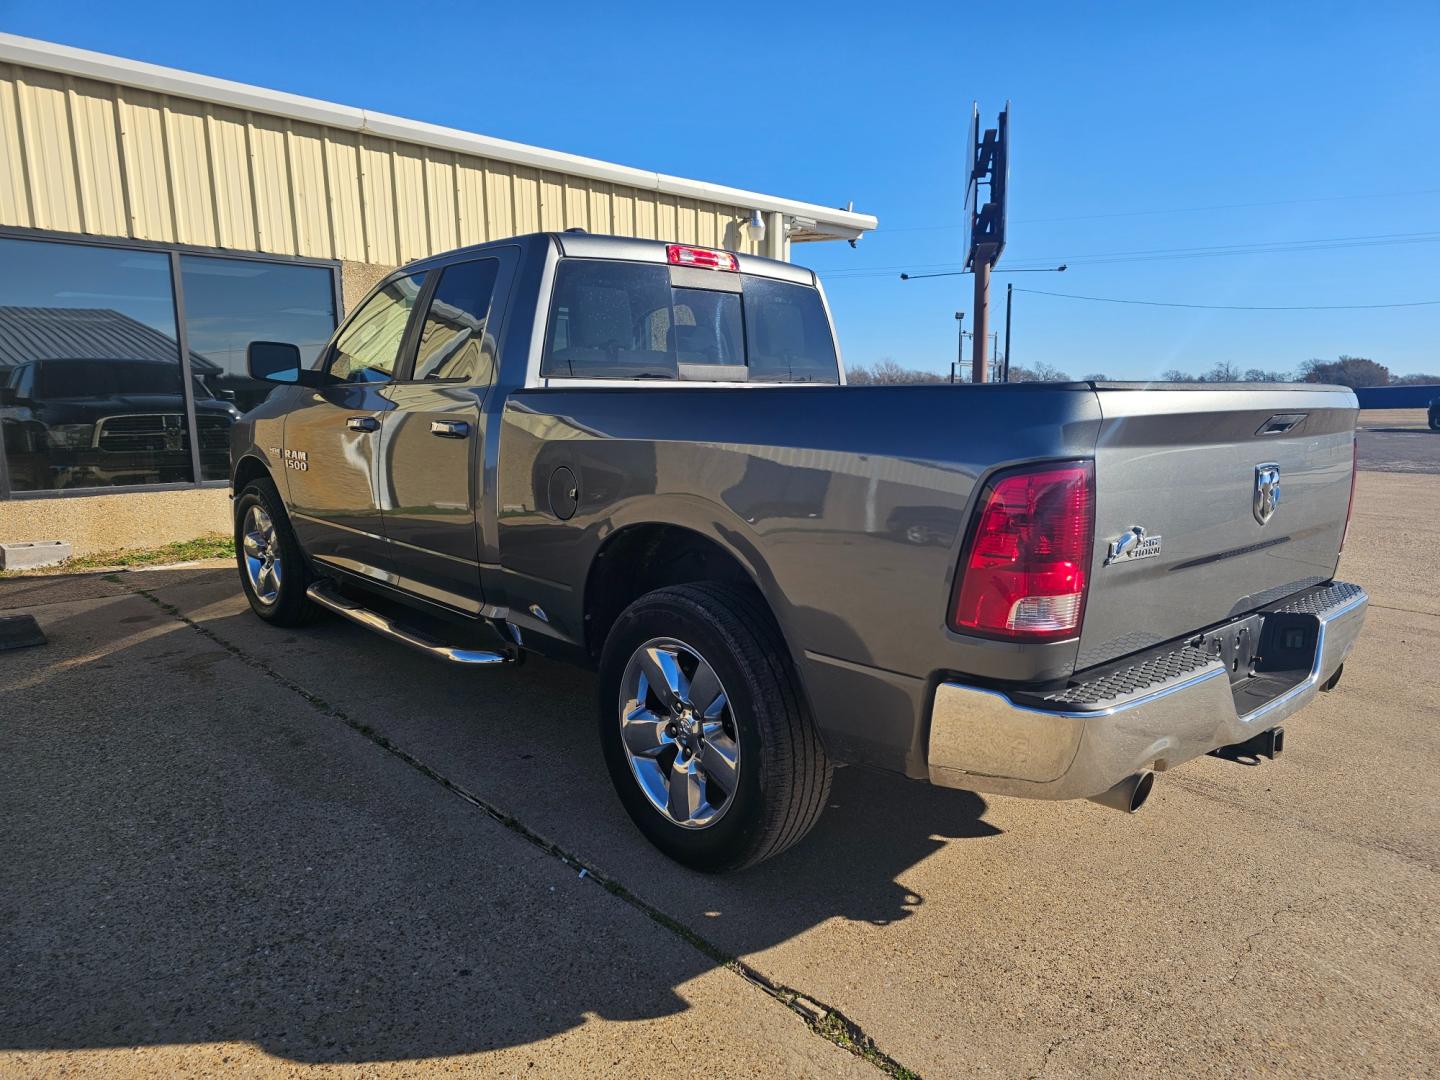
643	457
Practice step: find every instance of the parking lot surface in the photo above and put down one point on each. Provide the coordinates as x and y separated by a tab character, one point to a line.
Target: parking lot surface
228	845
1398	440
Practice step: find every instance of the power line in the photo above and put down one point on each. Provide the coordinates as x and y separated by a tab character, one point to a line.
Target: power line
1111	258
1235	307
1181	210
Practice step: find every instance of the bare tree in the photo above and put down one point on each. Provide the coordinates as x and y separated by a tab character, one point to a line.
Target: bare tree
887	372
1223	371
1039	373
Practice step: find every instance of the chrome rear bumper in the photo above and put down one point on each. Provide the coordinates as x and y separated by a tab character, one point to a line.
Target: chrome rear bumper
982	740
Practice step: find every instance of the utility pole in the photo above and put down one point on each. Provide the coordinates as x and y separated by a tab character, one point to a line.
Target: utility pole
959	343
1009	297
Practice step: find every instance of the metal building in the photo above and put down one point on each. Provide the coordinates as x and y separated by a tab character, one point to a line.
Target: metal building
154	221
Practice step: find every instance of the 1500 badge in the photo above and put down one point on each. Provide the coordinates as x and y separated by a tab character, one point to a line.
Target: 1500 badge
298	460
1131	545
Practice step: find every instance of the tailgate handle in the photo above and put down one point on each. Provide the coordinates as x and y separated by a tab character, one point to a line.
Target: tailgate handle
1280	423
362	423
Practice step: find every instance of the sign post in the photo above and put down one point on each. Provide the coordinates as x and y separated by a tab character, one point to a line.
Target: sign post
989	155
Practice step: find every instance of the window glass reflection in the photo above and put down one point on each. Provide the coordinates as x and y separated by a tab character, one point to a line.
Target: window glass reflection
368	347
230	303
453	337
90	383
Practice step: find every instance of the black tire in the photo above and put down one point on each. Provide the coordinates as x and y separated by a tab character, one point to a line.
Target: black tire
291	606
784	776
1435	423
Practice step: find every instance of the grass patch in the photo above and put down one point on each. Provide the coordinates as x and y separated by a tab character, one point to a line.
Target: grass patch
210	546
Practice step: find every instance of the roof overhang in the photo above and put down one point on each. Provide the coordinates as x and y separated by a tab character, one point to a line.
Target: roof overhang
808	220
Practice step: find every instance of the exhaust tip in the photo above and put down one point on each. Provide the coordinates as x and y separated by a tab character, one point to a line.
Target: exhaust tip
1140	794
1129	795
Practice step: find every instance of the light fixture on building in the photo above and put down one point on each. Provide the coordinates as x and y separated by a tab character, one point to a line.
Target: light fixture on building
755	227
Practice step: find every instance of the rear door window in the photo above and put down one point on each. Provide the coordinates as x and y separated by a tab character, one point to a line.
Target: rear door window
452	341
618	320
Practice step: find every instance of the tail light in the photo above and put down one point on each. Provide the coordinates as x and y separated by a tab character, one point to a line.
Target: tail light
1026	567
1350	506
705	258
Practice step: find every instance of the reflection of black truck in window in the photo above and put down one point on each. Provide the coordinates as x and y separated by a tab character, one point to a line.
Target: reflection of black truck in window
75	422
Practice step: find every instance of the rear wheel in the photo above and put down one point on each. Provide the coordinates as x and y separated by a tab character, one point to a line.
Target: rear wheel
705	732
1435	421
273	571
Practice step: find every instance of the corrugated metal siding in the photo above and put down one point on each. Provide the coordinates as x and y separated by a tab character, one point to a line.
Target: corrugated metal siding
97	158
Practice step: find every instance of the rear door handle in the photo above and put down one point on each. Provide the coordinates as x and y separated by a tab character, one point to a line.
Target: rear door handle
363	423
450	429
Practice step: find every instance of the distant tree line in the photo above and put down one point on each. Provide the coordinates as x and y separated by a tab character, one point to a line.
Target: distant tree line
1352	371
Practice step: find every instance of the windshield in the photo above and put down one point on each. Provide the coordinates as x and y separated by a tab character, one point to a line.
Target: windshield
106	378
619	320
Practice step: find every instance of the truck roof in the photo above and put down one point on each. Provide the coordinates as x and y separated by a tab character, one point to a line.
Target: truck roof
577	244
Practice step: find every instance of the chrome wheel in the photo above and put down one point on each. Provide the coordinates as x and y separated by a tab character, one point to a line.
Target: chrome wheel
262	556
679	733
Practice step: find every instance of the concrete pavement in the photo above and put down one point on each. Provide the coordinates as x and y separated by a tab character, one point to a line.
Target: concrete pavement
217	855
203	870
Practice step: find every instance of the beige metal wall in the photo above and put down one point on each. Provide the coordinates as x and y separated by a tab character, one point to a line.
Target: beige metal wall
79	156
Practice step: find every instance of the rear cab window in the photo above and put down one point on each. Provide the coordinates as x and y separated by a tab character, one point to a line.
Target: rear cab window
629	320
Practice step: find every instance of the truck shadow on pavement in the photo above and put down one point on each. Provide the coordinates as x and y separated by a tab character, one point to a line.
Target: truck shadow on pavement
205	840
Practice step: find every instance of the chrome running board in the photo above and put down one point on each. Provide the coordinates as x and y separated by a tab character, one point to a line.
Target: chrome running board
325	594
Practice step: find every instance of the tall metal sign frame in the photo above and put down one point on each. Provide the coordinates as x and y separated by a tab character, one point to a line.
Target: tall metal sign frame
989	156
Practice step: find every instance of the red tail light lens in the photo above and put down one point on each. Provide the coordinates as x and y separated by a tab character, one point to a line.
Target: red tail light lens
1350	506
1028	562
680	255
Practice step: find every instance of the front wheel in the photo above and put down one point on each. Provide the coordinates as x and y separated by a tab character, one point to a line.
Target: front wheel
705	731
273	571
1435	422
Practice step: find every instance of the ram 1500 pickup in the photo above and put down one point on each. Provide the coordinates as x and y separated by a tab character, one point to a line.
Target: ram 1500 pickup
643	457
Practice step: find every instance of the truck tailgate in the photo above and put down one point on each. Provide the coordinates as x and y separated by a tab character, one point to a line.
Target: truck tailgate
1184	465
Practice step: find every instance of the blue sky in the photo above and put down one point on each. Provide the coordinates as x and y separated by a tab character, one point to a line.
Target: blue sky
1327	114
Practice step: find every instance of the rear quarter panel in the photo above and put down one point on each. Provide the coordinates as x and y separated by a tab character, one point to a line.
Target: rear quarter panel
846	504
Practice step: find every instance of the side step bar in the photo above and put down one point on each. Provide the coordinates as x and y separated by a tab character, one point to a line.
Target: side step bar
325	594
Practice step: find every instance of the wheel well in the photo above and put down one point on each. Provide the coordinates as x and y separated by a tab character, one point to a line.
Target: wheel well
641	558
249	468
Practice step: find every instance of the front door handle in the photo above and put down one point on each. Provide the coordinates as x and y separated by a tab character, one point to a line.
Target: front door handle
363	423
450	429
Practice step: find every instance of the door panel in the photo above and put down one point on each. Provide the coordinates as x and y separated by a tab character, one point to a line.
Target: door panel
332	440
428	489
429	466
331	469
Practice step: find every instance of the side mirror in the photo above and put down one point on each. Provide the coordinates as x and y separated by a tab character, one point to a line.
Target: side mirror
274	361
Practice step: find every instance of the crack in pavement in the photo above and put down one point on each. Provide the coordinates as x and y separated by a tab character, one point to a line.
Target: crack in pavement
824	1020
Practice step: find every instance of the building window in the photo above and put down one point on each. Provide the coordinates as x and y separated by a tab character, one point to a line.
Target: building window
228	304
92	387
93	394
